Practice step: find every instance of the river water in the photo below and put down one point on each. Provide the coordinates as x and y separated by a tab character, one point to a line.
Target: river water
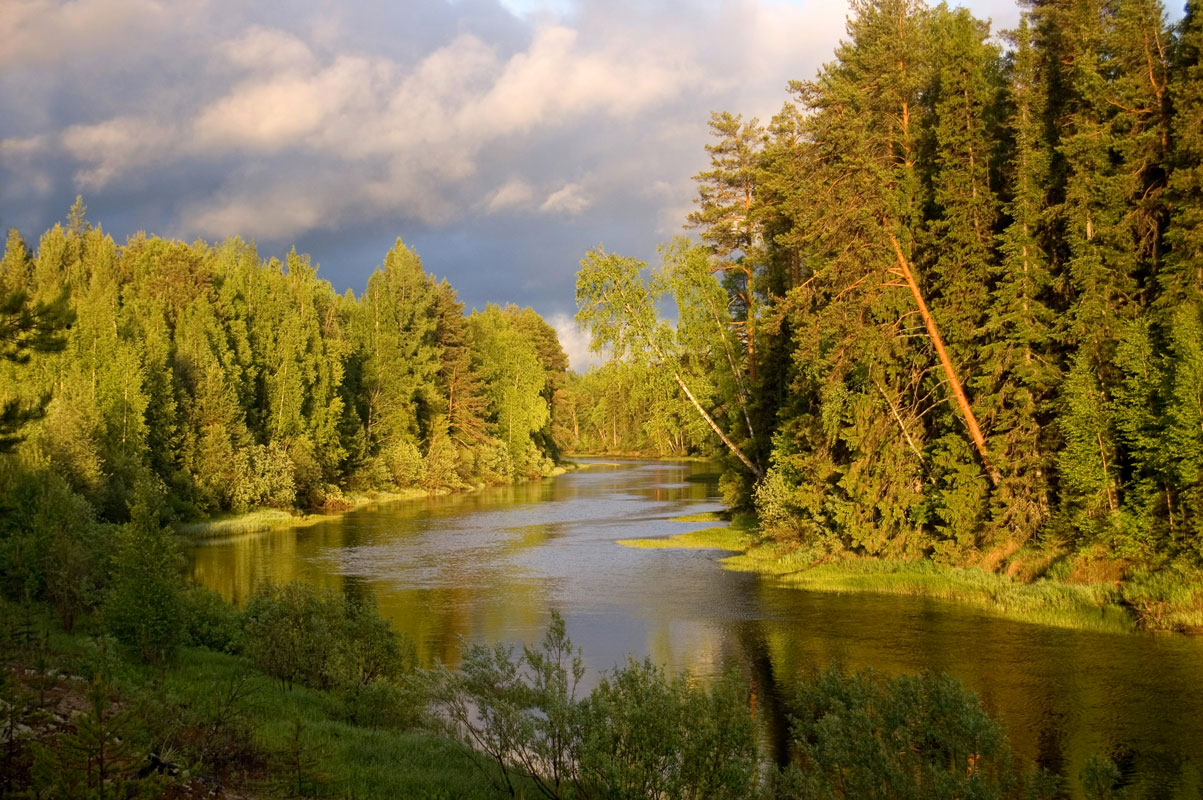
491	566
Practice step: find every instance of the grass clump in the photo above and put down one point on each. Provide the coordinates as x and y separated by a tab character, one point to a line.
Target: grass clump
264	519
705	516
737	536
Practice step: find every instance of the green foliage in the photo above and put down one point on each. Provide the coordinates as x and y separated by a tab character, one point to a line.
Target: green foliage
514	379
861	736
210	621
101	758
143	608
1101	779
644	734
291	632
299	764
639	734
1044	200
300	635
241	383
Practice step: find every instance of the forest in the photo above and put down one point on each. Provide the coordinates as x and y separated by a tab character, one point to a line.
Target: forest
960	312
236	382
945	308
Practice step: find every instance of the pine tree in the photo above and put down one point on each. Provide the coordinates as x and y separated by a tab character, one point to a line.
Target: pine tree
957	253
1015	391
728	216
1181	277
859	385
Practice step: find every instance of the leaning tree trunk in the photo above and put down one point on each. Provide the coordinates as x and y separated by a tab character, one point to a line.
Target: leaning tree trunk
979	441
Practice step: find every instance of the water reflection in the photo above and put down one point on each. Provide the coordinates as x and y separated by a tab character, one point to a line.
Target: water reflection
489	566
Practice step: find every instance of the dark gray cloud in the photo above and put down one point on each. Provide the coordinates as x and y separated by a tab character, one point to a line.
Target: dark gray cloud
501	140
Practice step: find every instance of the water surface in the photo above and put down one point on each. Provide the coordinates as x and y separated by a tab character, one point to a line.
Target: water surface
491	566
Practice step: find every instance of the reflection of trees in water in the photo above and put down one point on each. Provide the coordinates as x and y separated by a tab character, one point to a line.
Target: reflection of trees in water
766	692
1050	743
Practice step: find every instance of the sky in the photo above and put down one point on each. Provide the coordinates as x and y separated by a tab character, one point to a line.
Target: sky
499	138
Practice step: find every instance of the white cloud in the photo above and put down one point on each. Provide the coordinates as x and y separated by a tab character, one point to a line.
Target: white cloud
568	200
47	32
514	193
111	148
575	342
293	127
262	48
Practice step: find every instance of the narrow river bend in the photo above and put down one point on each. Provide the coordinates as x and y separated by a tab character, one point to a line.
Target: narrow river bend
491	565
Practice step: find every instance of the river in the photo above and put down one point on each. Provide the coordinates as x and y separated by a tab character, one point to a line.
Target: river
491	565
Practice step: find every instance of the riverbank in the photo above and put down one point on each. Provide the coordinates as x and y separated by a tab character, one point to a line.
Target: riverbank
267	519
1129	598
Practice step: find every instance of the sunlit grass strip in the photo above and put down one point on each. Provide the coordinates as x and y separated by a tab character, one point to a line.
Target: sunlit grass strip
266	519
251	522
721	538
1044	601
735	537
705	516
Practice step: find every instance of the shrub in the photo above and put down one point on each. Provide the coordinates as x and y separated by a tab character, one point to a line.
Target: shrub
394	705
299	634
638	734
405	464
264	477
290	632
143	608
51	546
210	621
366	650
910	737
644	734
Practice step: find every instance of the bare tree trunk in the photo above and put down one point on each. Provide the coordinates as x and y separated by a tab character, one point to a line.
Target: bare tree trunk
979	441
714	426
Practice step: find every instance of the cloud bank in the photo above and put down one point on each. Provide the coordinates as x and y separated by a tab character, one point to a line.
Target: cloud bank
502	139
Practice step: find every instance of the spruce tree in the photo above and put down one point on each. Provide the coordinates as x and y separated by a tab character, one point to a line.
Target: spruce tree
1016	388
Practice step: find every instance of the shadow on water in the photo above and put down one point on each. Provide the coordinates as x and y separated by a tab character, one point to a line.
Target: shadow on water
490	566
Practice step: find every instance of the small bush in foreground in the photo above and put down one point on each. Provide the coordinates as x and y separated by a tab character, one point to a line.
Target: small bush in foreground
639	734
912	737
298	634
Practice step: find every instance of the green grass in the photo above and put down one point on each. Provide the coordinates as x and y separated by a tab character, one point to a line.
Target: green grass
735	536
724	538
1043	601
349	760
266	519
705	516
263	519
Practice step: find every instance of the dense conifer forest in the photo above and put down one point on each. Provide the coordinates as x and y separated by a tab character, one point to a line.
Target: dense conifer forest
221	382
962	314
946	306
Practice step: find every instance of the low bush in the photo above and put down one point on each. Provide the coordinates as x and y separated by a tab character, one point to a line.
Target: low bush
299	634
210	621
639	734
912	737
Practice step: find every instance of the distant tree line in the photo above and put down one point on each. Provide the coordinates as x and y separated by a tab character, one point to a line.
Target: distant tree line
961	289
239	382
203	379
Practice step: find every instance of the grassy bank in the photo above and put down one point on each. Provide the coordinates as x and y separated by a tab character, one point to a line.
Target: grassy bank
1043	601
1084	593
266	519
736	536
